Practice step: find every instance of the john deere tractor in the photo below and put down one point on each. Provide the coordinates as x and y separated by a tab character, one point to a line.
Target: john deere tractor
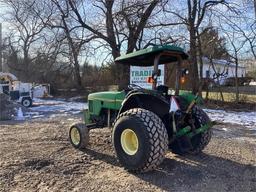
147	123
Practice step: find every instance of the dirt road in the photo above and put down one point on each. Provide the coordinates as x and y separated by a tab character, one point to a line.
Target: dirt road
36	156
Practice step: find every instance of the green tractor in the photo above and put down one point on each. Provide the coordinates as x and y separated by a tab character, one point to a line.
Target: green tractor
147	123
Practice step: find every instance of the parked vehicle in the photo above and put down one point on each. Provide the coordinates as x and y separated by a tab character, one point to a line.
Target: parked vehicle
18	91
231	81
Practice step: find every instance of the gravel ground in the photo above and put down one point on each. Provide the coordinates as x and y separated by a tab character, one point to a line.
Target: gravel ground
35	155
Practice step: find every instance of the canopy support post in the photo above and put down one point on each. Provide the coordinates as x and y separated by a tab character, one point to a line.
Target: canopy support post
177	81
156	62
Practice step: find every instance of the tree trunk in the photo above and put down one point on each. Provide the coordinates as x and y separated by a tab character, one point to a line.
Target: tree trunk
255	8
74	51
219	88
25	68
221	94
77	71
200	64
123	76
236	81
193	60
207	94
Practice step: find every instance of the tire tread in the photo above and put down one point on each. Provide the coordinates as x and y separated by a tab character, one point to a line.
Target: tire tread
158	137
84	135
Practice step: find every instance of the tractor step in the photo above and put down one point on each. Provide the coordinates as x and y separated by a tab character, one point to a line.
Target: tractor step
92	126
184	143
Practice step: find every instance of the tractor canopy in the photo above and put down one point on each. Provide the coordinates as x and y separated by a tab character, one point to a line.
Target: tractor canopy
145	57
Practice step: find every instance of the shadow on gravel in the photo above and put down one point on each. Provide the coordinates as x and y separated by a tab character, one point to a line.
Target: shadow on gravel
202	173
38	164
102	157
195	173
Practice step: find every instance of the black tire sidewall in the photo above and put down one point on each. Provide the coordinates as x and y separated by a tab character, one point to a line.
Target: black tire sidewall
139	159
26	99
83	133
201	119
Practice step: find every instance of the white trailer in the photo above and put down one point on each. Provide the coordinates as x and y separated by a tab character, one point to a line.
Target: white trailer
18	91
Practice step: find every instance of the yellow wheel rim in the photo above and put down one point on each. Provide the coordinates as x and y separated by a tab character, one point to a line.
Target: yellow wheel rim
129	142
75	136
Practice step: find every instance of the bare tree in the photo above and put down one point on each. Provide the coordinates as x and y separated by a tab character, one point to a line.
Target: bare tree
240	31
234	54
195	13
27	30
211	47
217	76
69	32
75	43
124	23
243	25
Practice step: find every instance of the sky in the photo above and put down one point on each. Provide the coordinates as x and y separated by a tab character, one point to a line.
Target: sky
102	54
3	9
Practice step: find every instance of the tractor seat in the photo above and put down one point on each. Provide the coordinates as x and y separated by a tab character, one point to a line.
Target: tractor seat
163	89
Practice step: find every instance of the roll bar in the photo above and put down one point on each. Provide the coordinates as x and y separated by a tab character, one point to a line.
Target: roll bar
178	67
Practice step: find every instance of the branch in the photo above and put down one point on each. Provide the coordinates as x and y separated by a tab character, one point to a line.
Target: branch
206	5
83	24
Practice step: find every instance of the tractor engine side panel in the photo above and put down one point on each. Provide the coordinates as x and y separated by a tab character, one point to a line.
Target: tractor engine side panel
99	104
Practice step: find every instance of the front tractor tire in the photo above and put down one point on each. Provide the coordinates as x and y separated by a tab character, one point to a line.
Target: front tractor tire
200	141
79	135
140	140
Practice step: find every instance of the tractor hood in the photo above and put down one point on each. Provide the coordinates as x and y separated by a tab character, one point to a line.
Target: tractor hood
105	100
108	96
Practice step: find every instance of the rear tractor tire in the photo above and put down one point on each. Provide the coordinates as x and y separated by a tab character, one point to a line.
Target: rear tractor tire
140	140
79	135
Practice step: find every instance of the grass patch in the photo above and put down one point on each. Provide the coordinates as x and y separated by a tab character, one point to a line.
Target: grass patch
231	97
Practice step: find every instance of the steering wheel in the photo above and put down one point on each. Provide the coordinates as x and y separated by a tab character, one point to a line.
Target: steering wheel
134	87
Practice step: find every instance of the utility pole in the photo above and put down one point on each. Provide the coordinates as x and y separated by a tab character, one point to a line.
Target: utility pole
1	48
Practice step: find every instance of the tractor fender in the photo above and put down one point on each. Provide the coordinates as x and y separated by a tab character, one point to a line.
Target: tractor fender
150	102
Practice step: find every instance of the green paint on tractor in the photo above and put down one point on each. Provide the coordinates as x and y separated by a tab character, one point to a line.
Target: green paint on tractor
189	97
144	121
113	100
108	100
